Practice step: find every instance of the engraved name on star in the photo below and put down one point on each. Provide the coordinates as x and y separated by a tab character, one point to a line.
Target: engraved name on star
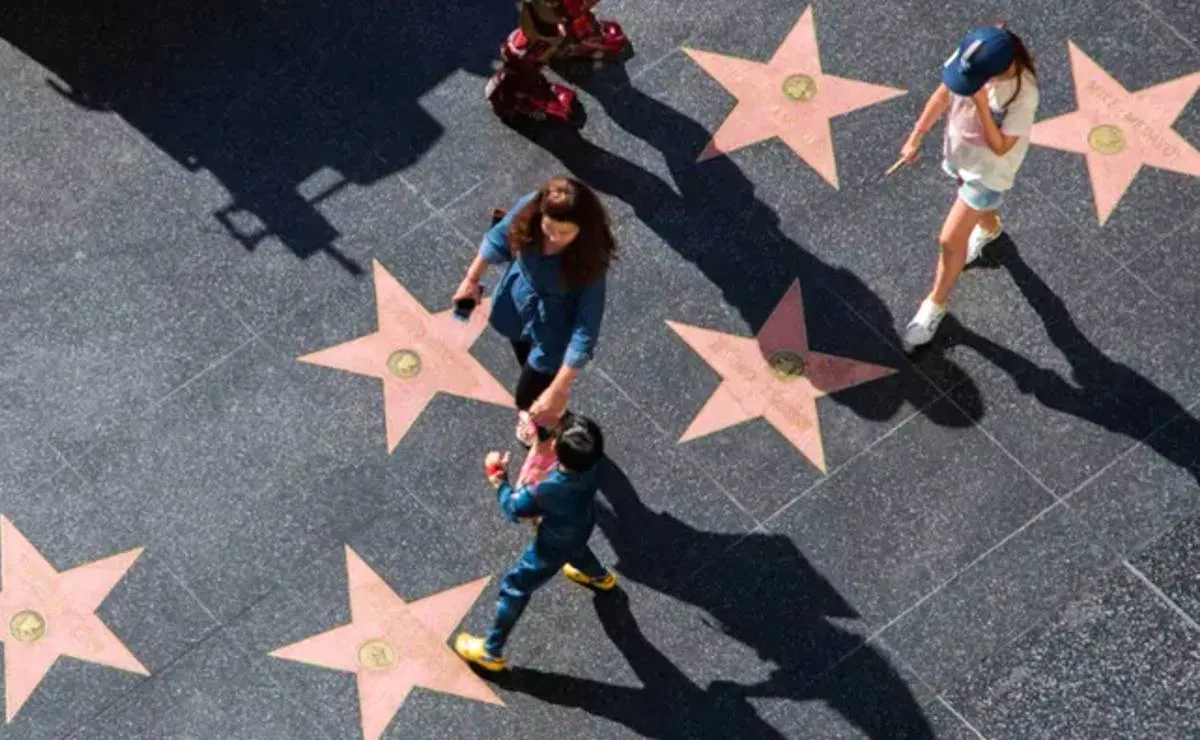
1119	131
789	97
392	646
417	355
774	376
45	614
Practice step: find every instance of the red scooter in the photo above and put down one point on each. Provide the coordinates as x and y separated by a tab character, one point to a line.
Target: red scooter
551	32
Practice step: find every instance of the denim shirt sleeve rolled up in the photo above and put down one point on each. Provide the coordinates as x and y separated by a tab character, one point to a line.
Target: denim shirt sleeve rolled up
589	313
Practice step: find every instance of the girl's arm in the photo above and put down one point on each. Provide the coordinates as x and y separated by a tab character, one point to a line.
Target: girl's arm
998	141
935	108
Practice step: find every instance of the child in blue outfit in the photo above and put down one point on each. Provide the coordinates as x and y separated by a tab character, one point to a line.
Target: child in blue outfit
562	506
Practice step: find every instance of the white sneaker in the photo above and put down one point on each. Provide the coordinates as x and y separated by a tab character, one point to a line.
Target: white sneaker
980	239
924	325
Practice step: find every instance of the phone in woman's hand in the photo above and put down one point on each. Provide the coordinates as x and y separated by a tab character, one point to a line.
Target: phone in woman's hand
464	306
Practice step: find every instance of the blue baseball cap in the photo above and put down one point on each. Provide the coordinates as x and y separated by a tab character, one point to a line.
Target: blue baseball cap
982	54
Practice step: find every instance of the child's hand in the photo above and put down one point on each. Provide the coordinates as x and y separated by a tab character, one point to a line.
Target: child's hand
495	466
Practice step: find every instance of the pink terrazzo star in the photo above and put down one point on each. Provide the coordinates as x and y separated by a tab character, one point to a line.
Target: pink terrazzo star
789	97
417	355
1119	131
45	614
774	376
393	646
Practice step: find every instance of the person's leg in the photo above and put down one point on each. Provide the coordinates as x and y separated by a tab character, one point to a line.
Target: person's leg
530	573
530	385
989	221
952	242
987	203
521	349
585	568
516	588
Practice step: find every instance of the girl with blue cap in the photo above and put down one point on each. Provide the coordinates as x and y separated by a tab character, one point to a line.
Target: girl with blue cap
989	89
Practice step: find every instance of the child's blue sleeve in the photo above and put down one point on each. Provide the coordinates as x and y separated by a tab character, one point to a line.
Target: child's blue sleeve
494	247
516	503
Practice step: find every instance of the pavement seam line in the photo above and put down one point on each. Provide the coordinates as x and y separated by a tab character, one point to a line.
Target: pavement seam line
1162	596
1157	16
807	492
877	635
950	708
165	562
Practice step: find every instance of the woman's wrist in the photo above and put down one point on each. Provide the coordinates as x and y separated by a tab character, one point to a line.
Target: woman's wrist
563	379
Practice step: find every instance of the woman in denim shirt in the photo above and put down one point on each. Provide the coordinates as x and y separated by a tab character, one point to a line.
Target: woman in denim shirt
549	304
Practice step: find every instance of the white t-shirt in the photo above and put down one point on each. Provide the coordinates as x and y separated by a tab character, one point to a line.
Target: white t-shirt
966	151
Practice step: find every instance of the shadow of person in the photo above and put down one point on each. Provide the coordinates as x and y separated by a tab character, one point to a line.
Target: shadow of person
669	705
716	222
1106	393
267	97
760	591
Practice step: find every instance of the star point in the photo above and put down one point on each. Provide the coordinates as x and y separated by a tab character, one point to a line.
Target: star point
788	97
416	354
773	376
393	647
45	614
1119	131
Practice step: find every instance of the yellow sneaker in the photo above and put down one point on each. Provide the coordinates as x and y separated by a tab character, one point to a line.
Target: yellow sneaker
606	583
470	648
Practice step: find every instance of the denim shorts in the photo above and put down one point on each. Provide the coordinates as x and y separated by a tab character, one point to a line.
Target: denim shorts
974	194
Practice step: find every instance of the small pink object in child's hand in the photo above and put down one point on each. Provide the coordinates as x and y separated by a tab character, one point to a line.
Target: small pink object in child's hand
536	467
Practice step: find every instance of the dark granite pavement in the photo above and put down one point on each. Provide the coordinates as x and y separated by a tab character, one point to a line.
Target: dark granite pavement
1004	543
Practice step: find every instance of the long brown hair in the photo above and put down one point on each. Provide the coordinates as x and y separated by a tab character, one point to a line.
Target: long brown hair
566	199
1021	57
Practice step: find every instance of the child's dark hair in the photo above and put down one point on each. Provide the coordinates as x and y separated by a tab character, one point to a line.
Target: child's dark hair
579	444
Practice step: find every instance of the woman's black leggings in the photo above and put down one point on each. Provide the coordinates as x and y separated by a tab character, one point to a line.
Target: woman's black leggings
531	383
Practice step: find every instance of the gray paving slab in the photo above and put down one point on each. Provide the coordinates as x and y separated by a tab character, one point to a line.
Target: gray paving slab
1115	662
999	597
1170	562
215	690
1179	17
1109	370
1146	491
870	695
194	200
908	515
96	340
1171	277
233	512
